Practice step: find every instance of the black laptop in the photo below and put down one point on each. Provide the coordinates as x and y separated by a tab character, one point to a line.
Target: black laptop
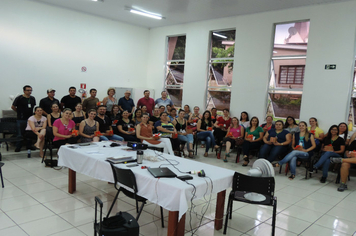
163	172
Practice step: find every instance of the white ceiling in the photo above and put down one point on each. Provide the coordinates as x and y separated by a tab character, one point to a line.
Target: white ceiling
177	11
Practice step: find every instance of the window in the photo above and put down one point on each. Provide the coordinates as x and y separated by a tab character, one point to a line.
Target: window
174	76
221	67
287	69
291	74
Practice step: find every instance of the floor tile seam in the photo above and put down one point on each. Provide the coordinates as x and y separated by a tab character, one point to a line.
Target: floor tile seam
12	221
200	225
330	228
38	218
71	210
23	230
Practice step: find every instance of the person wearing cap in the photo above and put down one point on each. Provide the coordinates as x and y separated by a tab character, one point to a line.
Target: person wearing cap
91	102
46	103
127	104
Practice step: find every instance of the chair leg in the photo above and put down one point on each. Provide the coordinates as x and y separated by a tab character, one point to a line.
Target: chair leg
139	213
274	216
2	181
232	203
227	216
162	219
113	203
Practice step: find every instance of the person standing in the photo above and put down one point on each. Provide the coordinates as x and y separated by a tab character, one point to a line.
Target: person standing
147	101
71	100
47	102
110	100
23	105
91	102
127	104
164	101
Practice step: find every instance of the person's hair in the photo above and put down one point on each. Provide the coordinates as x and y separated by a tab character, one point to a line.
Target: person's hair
244	112
258	122
168	105
54	104
306	135
316	121
214	108
287	124
234	118
25	87
91	90
269	116
91	110
146	91
37	108
67	109
181	110
173	109
162	106
137	110
145	114
112	109
186	105
109	89
209	118
163	92
226	110
329	132
163	113
143	106
196	107
72	87
280	121
346	131
79	104
101	106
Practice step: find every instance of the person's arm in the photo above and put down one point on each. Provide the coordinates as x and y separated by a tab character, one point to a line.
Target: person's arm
260	138
242	133
85	105
44	124
139	136
312	140
119	127
49	120
216	125
14	108
81	129
132	110
199	125
105	100
342	150
108	131
352	137
293	142
228	130
321	136
265	139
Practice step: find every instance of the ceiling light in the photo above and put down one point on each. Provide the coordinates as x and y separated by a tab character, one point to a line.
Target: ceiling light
98	0
219	35
142	13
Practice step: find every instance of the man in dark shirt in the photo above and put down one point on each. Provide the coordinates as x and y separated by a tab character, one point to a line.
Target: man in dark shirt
71	100
23	105
127	104
105	125
90	102
46	103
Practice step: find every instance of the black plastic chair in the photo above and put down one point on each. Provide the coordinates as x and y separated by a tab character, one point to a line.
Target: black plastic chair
127	178
243	184
195	144
8	126
2	181
48	144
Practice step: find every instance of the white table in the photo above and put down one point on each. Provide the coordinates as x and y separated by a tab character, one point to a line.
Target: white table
170	193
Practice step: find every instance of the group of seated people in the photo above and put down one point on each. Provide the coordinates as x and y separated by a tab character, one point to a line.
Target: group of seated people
171	130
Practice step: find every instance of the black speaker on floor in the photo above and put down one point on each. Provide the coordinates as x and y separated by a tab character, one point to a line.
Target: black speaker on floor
123	223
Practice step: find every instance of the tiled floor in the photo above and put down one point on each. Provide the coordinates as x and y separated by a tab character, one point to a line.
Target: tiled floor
35	202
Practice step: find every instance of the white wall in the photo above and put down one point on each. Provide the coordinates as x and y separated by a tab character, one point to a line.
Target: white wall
331	41
46	46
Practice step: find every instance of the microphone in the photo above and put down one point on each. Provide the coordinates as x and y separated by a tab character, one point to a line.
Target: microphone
200	173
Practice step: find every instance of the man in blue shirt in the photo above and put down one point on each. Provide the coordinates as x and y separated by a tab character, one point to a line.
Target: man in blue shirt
164	101
126	103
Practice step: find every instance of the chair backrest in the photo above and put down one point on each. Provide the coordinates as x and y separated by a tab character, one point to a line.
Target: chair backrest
261	185
8	127
125	177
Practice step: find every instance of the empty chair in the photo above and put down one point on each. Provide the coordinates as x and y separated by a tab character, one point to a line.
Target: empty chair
127	178
244	189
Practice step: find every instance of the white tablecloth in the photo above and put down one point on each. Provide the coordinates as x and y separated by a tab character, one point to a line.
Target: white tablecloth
170	193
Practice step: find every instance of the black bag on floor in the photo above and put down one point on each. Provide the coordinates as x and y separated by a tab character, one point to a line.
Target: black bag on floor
51	163
122	224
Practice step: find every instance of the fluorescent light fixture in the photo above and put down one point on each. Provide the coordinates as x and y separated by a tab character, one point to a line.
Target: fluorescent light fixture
97	0
219	35
142	13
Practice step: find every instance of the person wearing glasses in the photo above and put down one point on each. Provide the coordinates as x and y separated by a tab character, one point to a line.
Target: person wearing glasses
23	105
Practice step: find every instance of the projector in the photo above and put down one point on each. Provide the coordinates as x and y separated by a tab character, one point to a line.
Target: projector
137	146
